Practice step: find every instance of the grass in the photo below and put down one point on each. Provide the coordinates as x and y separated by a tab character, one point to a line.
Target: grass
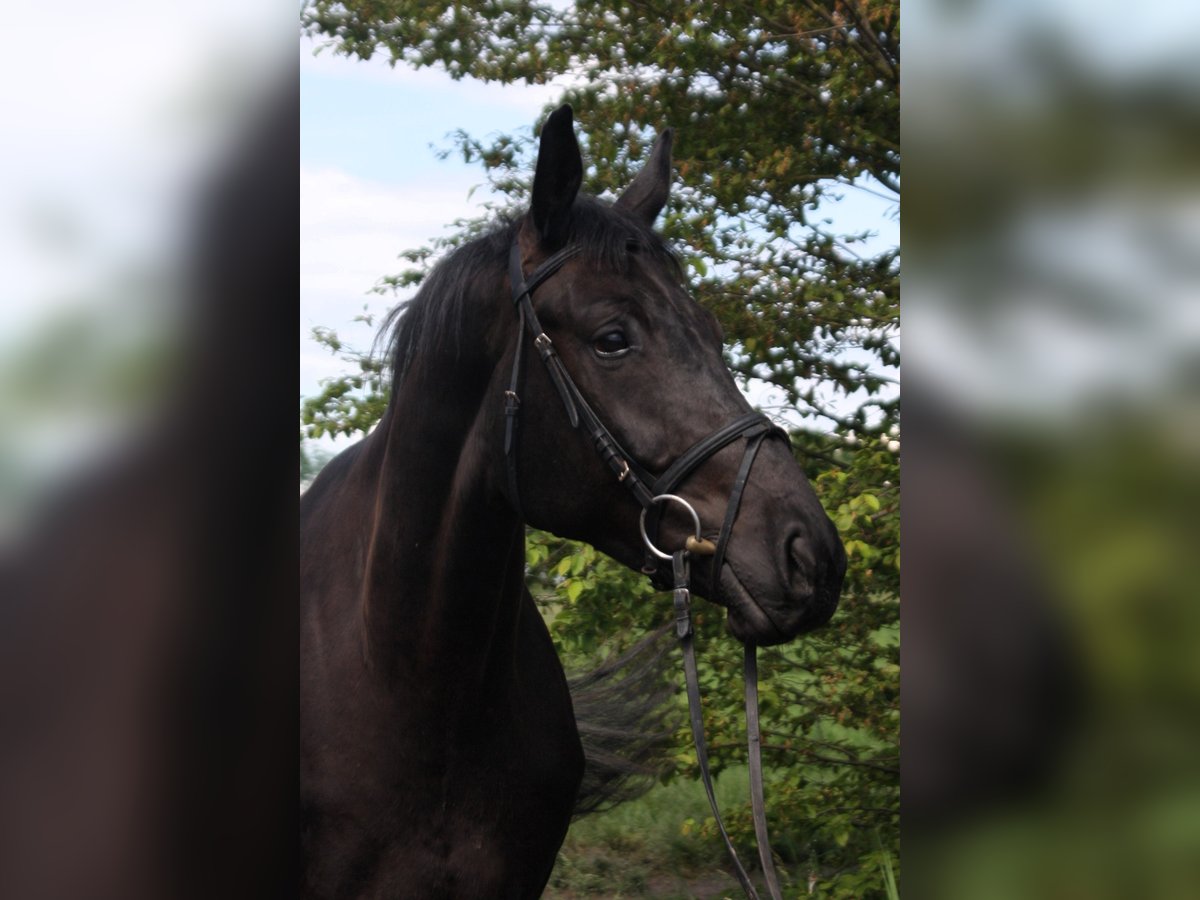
651	847
887	870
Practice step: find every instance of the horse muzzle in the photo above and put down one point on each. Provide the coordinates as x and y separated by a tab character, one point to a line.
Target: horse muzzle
772	604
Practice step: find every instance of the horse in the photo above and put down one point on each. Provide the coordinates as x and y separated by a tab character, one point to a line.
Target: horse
439	752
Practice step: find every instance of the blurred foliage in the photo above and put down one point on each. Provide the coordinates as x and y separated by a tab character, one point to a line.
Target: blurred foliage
779	110
1111	507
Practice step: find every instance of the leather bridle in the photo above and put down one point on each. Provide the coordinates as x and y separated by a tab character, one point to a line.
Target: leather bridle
652	493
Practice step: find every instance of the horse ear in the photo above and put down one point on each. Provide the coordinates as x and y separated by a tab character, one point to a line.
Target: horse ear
557	178
647	195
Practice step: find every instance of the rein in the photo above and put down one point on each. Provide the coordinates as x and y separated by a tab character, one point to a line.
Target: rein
652	493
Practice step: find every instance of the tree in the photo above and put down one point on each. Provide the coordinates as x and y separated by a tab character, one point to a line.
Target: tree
779	108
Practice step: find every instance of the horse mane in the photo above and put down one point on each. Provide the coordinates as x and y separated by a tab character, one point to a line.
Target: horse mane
432	320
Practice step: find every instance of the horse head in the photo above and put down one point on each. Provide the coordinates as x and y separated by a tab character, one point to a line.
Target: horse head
643	358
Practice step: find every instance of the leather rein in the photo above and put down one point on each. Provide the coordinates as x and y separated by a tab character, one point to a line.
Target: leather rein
652	494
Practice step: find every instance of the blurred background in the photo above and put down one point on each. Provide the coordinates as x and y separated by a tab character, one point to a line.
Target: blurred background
147	231
1051	306
116	119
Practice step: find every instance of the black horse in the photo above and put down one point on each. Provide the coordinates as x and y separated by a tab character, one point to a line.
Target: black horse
439	752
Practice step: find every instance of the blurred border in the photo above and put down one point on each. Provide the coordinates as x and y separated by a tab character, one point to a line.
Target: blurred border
147	578
1052	352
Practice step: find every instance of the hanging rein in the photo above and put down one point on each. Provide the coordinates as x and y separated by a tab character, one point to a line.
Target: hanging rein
652	494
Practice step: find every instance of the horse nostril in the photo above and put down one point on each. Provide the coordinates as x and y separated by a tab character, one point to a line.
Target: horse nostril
814	571
802	574
800	554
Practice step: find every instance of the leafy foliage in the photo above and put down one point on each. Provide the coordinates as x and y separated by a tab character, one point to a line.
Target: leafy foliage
780	108
350	404
312	460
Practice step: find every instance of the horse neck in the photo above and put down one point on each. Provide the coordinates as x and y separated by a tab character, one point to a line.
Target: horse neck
444	568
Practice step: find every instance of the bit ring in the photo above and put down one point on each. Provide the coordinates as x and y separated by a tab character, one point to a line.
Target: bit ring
642	522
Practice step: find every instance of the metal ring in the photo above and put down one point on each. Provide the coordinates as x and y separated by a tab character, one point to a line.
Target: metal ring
642	522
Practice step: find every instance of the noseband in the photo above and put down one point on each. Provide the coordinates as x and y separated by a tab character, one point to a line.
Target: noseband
652	493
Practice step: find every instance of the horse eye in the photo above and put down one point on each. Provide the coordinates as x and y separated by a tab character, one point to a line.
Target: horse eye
612	343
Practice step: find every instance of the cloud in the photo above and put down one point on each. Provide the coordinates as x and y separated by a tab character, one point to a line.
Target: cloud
352	231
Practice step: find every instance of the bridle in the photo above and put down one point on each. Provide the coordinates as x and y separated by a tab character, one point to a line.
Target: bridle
647	489
652	493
